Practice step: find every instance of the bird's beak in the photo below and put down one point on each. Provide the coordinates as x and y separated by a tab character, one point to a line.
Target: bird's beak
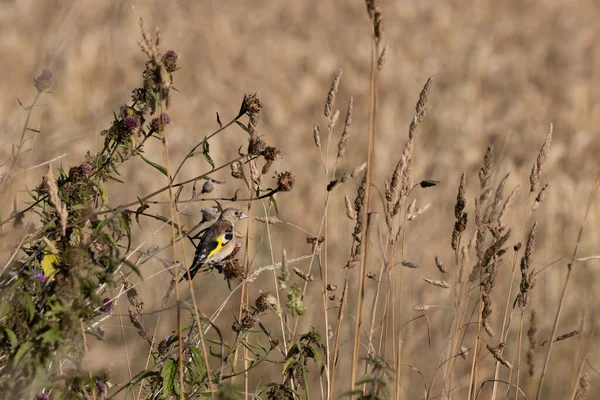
243	216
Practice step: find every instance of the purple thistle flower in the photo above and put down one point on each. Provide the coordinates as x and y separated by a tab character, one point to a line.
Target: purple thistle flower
107	305
102	388
40	277
41	396
170	59
131	123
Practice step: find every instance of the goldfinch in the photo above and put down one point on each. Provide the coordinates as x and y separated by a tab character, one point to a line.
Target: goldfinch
218	241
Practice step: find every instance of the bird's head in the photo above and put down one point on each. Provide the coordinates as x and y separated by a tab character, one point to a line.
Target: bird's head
232	215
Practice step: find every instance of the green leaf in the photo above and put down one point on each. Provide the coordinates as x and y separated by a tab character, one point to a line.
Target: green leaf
50	336
162	169
114	179
274	202
199	361
11	336
21	352
169	373
364	379
350	393
30	306
103	193
205	151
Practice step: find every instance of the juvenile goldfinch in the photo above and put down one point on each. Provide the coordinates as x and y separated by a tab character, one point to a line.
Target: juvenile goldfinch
218	241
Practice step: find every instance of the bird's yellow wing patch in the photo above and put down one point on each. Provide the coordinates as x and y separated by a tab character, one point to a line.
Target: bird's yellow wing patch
218	247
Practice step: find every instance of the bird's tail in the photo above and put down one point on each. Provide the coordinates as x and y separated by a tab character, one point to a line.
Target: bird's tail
194	268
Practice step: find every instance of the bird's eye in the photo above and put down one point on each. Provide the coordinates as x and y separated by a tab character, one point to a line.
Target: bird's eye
238	214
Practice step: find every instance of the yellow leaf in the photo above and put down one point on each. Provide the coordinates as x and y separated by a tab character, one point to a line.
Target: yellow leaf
49	263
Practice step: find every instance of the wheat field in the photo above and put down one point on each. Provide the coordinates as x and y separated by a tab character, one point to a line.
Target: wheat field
503	74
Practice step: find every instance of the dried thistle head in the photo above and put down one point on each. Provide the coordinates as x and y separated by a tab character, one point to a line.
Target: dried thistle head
43	82
237	170
251	104
285	181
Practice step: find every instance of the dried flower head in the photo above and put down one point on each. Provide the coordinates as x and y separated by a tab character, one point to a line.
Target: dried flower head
249	320
263	302
236	170
43	82
429	183
208	186
251	104
158	124
285	181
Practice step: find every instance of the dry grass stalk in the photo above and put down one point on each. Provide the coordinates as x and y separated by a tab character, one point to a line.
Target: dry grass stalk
317	135
540	197
527	272
350	211
414	214
333	89
421	307
334	183
584	387
409	264
268	220
506	208
440	265
461	217
488	329
485	172
304	276
497	353
493	209
382	58
441	284
346	131
567	335
534	177
495	249
61	209
420	113
136	310
531	332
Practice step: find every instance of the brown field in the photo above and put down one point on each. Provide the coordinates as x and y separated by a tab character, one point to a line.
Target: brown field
503	72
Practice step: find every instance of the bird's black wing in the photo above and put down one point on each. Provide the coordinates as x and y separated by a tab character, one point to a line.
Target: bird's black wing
217	236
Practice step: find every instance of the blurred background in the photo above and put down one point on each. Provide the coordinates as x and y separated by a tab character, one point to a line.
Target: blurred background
502	72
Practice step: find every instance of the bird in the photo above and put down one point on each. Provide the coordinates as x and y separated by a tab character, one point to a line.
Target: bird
217	242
